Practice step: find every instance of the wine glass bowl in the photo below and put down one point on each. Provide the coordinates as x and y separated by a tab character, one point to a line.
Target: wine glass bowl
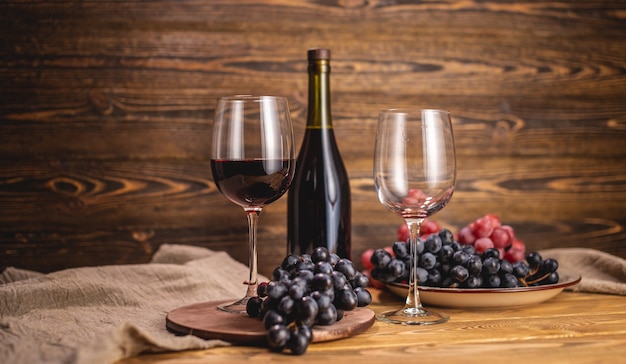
252	162
414	177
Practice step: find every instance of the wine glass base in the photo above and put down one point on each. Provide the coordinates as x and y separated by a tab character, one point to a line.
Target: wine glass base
237	307
413	316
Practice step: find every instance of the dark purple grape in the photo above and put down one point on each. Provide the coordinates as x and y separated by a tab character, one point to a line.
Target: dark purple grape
297	343
280	275
420	246
340	314
306	275
396	268
321	282
339	280
505	266
320	254
253	306
286	305
520	269
446	253
277	337
323	267
306	265
469	249
474	265
276	290
491	266
363	296
290	262
380	258
327	316
551	279
460	257
305	331
346	299
456	246
297	289
360	280
400	249
508	280
534	260
492	281
446	236
549	265
448	282
261	290
434	278
346	267
323	300
306	310
473	282
272	318
268	305
427	260
459	273
382	275
491	253
422	275
433	244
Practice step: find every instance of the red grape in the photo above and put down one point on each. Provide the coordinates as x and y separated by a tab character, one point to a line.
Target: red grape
366	259
466	236
495	220
403	233
429	227
482	227
516	252
501	238
482	244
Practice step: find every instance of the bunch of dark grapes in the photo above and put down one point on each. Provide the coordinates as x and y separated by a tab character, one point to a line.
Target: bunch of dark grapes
305	291
444	262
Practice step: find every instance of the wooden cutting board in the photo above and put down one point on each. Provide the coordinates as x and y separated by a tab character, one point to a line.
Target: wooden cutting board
204	320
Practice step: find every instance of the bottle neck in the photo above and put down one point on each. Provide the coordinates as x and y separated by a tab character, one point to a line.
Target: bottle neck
318	116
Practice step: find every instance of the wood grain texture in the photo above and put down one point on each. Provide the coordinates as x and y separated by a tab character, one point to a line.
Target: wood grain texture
106	108
572	327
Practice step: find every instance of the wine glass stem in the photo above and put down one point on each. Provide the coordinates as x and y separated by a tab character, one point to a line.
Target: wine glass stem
413	299
253	217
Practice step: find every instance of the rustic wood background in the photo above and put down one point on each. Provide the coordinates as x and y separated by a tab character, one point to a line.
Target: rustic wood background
106	109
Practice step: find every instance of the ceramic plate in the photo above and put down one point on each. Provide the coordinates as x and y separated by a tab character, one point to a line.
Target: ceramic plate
486	297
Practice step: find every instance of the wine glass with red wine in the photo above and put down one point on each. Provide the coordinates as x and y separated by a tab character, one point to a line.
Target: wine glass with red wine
414	175
253	162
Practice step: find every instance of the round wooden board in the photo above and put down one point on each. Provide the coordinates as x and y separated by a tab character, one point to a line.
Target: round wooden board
204	320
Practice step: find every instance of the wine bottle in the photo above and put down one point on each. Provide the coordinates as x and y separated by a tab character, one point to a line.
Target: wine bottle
318	204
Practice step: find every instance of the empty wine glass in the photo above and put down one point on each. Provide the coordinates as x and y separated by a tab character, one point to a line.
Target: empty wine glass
414	175
252	162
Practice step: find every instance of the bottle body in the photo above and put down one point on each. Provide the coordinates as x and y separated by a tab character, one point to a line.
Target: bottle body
319	202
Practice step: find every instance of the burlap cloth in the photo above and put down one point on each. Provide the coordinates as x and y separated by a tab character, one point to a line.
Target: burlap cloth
103	314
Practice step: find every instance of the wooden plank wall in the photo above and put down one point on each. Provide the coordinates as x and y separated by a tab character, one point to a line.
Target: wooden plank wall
106	108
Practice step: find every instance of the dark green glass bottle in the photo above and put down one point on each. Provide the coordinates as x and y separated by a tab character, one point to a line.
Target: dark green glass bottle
319	205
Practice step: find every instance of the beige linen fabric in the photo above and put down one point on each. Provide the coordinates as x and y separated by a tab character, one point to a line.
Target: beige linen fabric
103	314
601	272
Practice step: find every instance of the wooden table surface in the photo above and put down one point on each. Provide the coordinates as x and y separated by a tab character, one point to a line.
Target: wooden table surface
570	328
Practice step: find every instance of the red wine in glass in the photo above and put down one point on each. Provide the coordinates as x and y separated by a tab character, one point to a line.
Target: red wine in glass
252	182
